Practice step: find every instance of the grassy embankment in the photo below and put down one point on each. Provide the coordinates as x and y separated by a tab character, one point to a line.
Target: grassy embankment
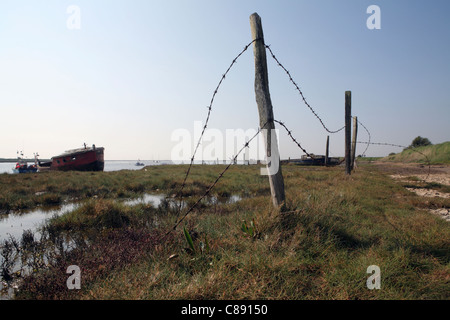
435	154
334	227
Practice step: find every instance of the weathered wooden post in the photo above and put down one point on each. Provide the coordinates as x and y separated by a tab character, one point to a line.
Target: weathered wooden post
327	150
266	112
348	129
355	133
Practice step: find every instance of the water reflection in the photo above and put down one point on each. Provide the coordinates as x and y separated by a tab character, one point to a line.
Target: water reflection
157	200
13	225
153	199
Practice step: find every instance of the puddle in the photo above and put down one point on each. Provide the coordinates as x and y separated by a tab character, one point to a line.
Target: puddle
153	199
224	200
13	224
157	199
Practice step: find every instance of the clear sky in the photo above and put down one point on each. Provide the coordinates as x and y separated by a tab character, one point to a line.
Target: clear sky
136	71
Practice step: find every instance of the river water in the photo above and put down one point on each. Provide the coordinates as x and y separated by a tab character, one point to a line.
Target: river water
110	165
117	165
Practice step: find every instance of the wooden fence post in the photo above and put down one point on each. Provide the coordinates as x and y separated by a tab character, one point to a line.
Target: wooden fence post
327	150
348	129
355	133
266	112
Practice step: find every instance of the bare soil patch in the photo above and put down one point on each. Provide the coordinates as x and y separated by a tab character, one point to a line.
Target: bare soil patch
442	212
416	174
429	192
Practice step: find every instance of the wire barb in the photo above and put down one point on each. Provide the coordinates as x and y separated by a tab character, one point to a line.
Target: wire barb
301	93
368	143
428	161
179	193
289	132
191	208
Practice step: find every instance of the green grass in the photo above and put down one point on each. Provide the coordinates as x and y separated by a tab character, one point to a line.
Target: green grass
333	228
436	154
368	159
26	191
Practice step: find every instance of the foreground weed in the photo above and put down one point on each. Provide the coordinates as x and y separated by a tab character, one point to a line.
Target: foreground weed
203	246
249	230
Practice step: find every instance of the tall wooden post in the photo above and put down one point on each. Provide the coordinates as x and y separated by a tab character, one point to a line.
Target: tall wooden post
266	112
327	148
348	129
355	133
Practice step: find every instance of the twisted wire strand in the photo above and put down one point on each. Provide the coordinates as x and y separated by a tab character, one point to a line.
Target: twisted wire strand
208	190
427	159
368	142
179	193
289	132
301	93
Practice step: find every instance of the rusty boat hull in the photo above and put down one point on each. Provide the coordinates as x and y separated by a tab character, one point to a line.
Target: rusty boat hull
82	159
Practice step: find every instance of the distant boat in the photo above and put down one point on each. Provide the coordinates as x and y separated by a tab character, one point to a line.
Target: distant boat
314	160
22	165
139	163
81	159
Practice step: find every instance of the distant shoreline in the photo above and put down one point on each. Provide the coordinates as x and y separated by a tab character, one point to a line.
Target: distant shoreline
27	160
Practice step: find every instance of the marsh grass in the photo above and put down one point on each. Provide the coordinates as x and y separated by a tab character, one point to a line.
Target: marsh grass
332	229
25	191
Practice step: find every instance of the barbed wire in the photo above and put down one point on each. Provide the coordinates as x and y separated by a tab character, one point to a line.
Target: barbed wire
395	145
381	144
367	130
300	91
179	193
208	190
428	161
289	132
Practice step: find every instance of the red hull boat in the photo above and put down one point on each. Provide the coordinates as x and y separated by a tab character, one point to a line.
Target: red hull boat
82	159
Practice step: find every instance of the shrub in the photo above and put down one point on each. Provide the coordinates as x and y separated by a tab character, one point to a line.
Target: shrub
419	142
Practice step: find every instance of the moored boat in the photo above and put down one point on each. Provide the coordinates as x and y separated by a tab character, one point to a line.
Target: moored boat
314	160
22	165
81	159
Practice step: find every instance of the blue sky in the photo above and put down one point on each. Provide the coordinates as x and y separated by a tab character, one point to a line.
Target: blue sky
136	71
